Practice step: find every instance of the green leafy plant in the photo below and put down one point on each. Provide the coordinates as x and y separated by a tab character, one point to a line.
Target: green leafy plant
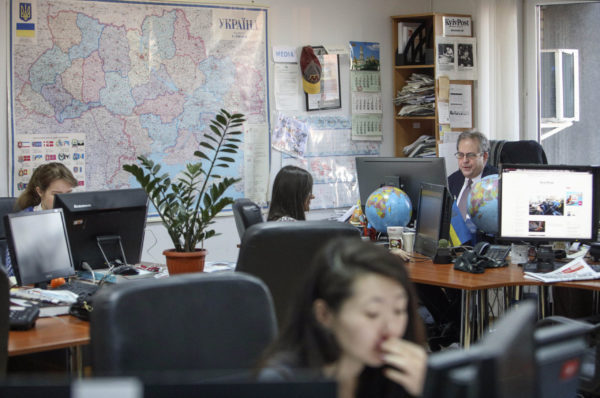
188	204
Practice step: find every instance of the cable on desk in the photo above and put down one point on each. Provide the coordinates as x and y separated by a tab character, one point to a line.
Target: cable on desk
88	268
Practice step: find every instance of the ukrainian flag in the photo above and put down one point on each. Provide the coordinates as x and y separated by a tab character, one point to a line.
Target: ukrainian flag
25	30
459	231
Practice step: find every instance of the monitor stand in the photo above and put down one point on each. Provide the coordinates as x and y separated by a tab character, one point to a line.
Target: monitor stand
543	262
42	285
107	239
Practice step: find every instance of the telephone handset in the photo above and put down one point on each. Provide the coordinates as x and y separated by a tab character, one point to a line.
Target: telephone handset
483	255
480	248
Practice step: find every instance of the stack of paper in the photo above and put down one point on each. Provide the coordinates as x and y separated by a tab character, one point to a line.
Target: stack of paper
424	146
575	270
417	96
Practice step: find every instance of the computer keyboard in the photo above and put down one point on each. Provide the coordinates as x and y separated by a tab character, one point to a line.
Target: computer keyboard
79	288
498	252
23	318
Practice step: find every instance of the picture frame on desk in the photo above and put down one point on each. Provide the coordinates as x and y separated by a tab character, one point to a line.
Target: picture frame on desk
330	96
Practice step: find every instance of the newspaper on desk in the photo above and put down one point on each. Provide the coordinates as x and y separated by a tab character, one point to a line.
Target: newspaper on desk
575	270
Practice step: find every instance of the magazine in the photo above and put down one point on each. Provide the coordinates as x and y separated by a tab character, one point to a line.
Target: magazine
575	270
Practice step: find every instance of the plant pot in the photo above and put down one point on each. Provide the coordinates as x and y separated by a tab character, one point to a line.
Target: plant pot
183	262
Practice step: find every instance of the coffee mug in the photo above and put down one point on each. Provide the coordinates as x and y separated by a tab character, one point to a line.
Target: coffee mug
408	241
395	237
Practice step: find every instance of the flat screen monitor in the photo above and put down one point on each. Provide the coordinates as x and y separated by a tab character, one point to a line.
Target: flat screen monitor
164	385
501	365
100	222
548	202
38	246
405	173
508	365
433	218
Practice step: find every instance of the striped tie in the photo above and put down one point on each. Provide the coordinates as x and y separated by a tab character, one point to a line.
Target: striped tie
462	204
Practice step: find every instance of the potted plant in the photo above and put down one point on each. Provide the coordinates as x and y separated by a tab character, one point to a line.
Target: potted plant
188	203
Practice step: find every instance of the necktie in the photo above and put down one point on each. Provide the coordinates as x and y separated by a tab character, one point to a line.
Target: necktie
462	204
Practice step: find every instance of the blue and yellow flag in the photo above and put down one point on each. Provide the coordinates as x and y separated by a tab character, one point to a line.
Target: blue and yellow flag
459	231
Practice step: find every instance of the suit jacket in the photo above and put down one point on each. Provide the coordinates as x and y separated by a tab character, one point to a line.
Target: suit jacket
457	179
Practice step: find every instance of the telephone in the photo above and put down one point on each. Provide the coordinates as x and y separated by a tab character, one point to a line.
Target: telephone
483	255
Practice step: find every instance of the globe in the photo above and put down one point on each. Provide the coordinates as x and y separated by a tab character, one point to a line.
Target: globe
482	204
388	206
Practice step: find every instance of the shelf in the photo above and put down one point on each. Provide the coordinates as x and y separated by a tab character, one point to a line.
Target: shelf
409	128
415	117
414	67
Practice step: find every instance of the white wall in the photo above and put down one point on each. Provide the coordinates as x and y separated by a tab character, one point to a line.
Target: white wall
314	22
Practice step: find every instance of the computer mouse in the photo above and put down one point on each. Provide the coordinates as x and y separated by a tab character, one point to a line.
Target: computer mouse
125	270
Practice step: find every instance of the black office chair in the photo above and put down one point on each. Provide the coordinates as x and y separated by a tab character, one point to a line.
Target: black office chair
566	330
4	307
216	323
280	254
7	205
246	213
526	151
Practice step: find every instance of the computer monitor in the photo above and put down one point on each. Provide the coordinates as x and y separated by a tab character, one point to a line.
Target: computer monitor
38	246
548	203
164	385
501	365
404	173
433	218
508	366
105	226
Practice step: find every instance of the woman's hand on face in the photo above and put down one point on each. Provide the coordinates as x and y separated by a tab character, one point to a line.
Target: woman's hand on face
407	363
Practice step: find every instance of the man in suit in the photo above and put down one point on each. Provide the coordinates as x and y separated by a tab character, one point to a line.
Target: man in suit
444	304
472	153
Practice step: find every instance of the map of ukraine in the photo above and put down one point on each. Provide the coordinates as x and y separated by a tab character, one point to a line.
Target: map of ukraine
138	79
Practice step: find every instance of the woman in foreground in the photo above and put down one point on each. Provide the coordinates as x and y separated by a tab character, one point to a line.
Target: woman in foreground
356	322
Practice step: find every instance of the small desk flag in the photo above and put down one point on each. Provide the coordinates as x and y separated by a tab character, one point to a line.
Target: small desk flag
459	231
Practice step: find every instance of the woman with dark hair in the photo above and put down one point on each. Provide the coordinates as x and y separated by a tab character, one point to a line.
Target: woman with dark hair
46	181
356	322
292	193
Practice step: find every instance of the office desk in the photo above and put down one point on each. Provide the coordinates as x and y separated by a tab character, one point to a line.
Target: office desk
50	334
473	286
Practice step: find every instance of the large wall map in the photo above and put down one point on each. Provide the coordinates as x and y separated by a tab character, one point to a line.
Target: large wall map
135	78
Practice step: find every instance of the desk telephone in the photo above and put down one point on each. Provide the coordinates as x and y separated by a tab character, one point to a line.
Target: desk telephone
23	318
483	255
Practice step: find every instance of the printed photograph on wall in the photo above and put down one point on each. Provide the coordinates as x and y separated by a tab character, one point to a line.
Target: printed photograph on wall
365	55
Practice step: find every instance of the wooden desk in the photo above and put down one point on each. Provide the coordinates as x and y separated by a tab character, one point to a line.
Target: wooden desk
50	334
473	286
446	276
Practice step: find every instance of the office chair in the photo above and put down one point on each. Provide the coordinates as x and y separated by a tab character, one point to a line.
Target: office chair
4	307
212	323
563	347
280	254
526	151
7	205
246	213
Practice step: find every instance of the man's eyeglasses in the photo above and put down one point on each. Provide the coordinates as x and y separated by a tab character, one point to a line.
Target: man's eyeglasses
470	155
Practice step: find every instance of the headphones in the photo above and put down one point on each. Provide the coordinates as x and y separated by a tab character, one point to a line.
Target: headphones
475	261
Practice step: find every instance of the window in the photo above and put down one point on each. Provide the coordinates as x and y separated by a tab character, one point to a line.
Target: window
562	79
